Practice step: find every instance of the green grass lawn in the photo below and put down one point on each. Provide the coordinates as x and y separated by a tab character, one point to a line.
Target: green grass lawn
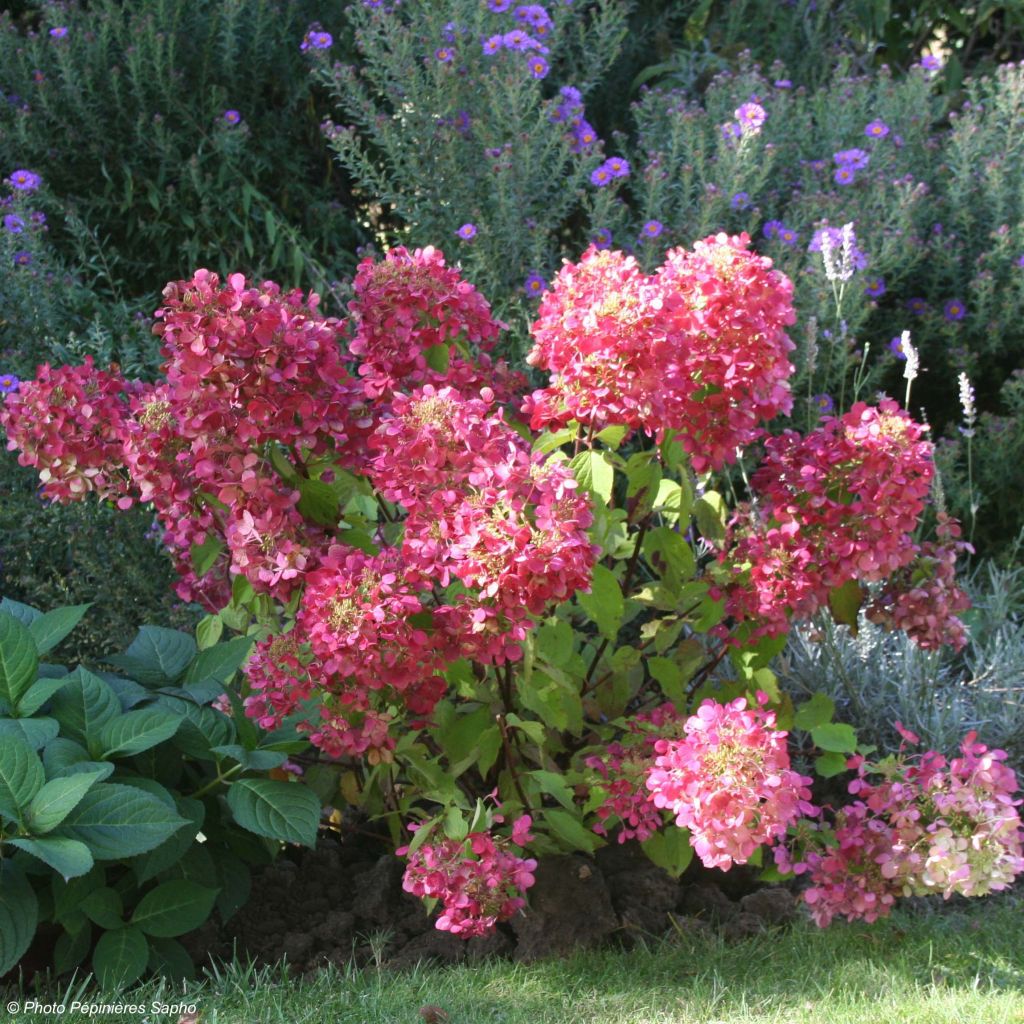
920	967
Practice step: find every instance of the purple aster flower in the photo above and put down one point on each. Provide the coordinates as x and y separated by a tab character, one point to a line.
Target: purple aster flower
876	129
954	310
600	176
652	229
917	306
751	116
783	83
59	31
896	348
37	217
602	238
1020	261
517	39
844	176
584	137
771	228
8	383
817	165
533	15
930	62
617	167
824	403
14	224
231	116
534	283
466	232
499	6
731	130
25	181
787	235
538	67
22	258
316	39
855	159
492	45
740	201
444	55
875	288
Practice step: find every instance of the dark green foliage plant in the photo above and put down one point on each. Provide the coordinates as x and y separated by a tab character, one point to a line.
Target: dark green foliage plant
131	808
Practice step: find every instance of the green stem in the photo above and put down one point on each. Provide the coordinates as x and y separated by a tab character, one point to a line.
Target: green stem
221	777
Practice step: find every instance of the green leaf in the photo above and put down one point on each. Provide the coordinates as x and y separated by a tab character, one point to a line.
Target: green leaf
548	441
201	729
835	737
554	642
437	357
137	731
103	906
287	811
670	849
83	706
235	885
674	502
204	555
36	732
38	694
24	613
57	799
612	436
711	512
460	738
604	604
173	908
19	915
209	631
570	830
169	959
68	857
251	760
117	821
830	765
594	473
21	777
48	630
71	949
554	785
844	603
156	656
455	826
171	850
19	662
319	502
120	957
816	711
219	663
670	556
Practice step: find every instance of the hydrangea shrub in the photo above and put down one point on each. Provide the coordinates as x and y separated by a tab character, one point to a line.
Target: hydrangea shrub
487	605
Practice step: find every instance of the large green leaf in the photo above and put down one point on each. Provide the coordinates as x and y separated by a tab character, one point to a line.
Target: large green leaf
173	908
604	604
172	849
19	915
835	737
571	830
594	473
670	849
48	630
19	662
24	613
68	857
120	957
36	732
156	656
71	949
21	776
38	694
278	810
83	706
137	731
168	958
117	821
219	662
319	502
58	798
104	906
816	711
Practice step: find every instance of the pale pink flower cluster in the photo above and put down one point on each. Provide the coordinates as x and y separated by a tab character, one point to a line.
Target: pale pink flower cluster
728	780
928	826
478	880
699	347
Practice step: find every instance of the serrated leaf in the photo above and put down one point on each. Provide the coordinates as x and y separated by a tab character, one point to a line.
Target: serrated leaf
209	631
68	857
710	511
235	884
38	694
19	915
286	811
670	849
204	555
554	785
570	830
173	908
24	613
36	732
251	760
816	711
120	957
835	737
319	502
605	603
171	850
156	656
71	949
48	630
168	958
103	906
455	826
83	706
137	731
21	777
594	473
19	662
548	441
220	662
117	821
57	799
830	765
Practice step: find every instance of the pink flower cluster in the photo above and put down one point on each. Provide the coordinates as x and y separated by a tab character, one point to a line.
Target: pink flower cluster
478	880
623	768
928	826
67	424
837	504
728	780
699	347
923	598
